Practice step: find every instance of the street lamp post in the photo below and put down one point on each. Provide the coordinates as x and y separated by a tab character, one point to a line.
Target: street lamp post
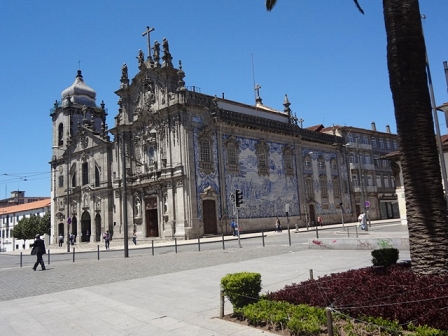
361	181
68	194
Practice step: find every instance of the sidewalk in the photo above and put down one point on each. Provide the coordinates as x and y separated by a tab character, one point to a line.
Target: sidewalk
166	294
181	303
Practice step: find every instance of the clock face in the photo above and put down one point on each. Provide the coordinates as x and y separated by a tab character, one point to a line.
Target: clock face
61	169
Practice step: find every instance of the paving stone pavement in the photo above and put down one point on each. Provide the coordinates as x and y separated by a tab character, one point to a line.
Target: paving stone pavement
167	294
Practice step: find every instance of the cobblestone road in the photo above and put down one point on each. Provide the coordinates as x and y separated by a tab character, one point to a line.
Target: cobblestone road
24	282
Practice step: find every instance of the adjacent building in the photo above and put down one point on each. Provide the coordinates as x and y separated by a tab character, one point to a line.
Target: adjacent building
11	215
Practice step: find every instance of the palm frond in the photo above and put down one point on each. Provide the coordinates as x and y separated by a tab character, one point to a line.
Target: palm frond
356	3
270	4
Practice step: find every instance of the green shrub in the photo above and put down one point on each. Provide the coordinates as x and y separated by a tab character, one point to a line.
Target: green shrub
385	256
426	331
299	319
241	288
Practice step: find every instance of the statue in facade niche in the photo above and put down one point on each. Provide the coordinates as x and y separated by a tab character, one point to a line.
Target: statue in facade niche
138	207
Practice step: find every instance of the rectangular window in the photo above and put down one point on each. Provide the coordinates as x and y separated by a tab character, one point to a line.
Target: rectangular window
381	143
392	182
231	155
373	140
378	181
61	181
336	187
309	187
387	144
375	160
367	158
355	180
386	182
369	180
365	140
323	186
395	145
262	160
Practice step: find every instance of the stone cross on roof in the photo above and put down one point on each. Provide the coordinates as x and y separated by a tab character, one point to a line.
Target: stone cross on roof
147	32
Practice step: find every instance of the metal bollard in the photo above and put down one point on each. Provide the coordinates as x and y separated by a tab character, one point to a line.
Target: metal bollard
20	259
199	244
48	256
262	237
317	232
311	274
348	232
223	245
98	251
221	303
152	244
329	322
175	245
73	254
289	236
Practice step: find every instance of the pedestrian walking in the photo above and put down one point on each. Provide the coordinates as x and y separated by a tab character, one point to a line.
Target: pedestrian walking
278	225
106	237
233	226
320	221
61	239
134	237
362	221
72	239
39	250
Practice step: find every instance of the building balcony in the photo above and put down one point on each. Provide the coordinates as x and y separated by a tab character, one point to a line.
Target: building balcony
359	145
369	189
364	166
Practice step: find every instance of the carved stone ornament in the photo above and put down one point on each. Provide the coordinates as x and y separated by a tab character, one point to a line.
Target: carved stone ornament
209	193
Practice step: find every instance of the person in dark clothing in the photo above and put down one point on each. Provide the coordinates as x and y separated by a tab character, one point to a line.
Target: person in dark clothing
39	245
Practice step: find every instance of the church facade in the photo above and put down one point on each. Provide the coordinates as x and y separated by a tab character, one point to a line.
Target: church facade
170	166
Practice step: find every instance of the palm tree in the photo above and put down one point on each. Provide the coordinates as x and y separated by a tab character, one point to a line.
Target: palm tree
425	201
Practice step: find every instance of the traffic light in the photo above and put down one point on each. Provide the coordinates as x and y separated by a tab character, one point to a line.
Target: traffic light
239	197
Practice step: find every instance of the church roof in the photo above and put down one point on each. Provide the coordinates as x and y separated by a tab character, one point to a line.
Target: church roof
79	93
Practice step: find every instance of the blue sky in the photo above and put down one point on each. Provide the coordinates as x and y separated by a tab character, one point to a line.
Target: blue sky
328	58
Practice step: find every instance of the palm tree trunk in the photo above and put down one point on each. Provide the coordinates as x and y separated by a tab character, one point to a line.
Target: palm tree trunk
425	201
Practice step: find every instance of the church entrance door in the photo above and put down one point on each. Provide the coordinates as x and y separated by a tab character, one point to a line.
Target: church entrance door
61	229
85	227
312	215
209	214
152	224
151	217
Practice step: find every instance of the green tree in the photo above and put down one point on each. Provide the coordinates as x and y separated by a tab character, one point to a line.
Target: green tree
27	228
425	201
45	224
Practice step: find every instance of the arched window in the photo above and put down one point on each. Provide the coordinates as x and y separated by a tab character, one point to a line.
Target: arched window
85	173
97	176
60	134
151	155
